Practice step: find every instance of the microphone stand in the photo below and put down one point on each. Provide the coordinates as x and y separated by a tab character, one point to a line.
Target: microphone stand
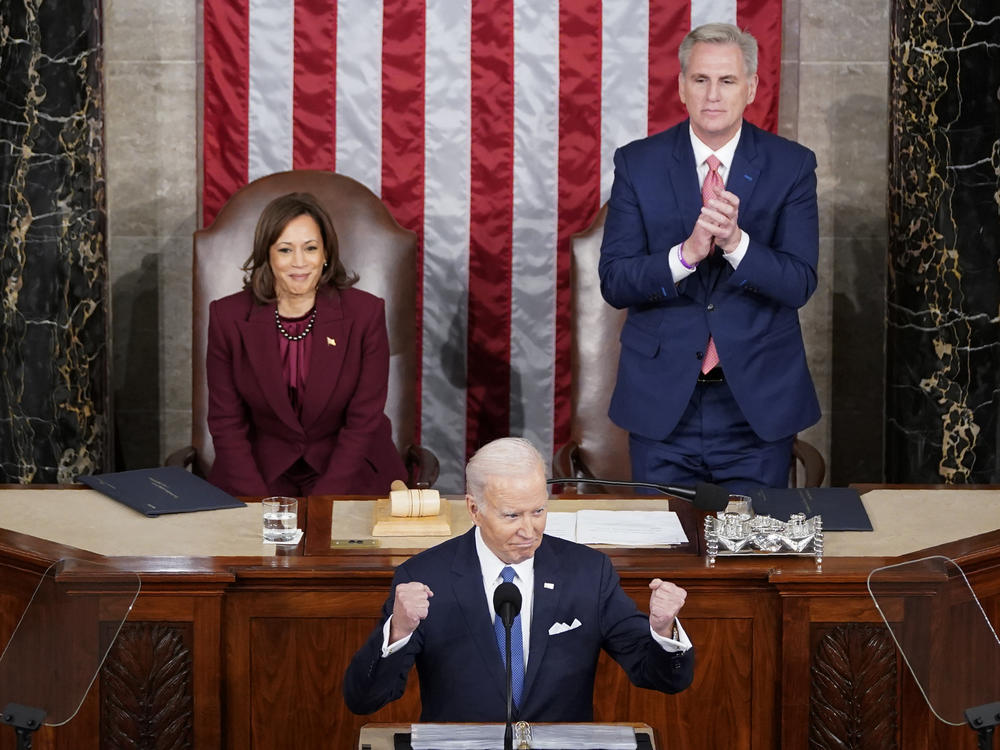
507	605
508	732
704	496
614	483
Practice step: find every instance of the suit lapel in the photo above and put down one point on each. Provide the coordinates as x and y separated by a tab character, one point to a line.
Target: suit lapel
329	347
687	191
745	169
261	344
544	608
742	180
684	176
467	587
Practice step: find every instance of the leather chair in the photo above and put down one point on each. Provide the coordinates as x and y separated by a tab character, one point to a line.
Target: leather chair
372	244
597	447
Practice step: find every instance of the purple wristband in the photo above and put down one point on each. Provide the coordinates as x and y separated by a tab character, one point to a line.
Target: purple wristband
680	257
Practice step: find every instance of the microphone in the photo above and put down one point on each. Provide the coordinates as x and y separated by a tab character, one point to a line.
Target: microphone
704	496
507	604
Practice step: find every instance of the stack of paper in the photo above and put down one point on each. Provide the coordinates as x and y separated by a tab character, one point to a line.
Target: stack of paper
622	528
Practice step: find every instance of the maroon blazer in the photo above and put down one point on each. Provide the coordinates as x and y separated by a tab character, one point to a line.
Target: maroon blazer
343	433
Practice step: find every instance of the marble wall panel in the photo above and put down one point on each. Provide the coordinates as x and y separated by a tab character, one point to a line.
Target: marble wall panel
943	335
152	125
54	396
843	104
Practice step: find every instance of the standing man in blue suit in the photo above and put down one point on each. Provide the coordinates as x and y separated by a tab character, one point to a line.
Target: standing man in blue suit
440	615
711	242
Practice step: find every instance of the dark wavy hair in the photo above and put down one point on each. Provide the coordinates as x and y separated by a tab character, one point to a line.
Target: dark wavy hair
273	219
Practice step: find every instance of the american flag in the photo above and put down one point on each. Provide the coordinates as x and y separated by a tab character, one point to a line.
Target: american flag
487	127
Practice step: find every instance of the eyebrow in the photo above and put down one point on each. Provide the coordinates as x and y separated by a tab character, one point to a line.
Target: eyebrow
519	512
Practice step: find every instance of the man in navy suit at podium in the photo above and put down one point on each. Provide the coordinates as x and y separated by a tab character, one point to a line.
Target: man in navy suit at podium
711	243
440	614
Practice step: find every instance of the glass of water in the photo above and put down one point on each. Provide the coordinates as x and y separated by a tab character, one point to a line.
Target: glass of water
281	519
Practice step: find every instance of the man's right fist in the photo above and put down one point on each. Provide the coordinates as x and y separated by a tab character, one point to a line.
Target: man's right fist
409	608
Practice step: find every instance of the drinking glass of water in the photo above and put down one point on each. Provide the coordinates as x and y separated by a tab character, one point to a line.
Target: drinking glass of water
281	519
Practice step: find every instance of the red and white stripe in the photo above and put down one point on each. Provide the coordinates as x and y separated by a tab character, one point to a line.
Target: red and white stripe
488	128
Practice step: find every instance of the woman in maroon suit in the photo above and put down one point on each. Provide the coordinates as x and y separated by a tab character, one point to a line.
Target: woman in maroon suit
298	367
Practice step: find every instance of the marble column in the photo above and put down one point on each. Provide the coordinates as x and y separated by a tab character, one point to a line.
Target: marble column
943	335
53	261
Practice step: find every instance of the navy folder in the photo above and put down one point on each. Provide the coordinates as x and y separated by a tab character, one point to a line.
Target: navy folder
165	489
840	507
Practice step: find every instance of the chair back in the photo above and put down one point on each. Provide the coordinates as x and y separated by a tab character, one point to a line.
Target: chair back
601	444
372	244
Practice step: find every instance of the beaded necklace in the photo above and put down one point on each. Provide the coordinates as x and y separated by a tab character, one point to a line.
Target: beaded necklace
286	334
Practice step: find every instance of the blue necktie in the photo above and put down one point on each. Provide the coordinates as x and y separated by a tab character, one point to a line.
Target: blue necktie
516	644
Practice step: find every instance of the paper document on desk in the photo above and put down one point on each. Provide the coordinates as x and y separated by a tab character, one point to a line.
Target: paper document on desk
624	528
562	525
543	737
629	528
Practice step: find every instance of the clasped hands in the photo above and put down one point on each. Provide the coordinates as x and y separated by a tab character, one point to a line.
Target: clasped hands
718	221
413	600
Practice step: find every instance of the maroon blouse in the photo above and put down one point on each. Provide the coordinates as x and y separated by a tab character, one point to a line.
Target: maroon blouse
295	357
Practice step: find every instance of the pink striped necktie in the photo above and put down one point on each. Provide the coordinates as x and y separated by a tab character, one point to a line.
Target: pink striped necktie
710	188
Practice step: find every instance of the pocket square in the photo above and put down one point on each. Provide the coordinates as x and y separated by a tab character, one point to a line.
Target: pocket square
561	627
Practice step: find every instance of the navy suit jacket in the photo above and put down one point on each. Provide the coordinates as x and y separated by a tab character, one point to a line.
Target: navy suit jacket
462	677
751	312
343	433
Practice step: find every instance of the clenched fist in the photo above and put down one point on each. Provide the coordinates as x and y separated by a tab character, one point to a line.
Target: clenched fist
411	605
664	604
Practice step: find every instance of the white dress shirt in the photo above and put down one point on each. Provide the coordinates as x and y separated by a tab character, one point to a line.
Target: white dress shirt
725	156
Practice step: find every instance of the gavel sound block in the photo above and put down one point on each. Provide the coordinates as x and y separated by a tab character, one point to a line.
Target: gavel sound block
411	513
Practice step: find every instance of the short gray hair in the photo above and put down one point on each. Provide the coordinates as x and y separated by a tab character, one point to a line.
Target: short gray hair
505	457
720	33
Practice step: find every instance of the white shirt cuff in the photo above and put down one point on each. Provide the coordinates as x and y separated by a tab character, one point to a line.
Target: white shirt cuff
677	270
681	643
736	255
387	649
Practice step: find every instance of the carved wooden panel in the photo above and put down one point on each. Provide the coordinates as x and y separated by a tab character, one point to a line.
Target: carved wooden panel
146	689
853	692
293	662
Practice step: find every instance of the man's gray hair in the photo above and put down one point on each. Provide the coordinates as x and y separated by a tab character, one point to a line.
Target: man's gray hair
506	457
720	33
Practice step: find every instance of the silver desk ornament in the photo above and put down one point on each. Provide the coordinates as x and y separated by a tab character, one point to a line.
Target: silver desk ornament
739	531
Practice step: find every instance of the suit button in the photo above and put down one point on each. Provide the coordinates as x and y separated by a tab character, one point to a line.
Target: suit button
710	307
699	355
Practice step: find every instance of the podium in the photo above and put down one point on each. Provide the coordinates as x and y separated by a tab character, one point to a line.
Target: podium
386	736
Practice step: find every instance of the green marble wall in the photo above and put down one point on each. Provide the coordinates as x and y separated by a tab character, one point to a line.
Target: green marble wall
53	261
943	293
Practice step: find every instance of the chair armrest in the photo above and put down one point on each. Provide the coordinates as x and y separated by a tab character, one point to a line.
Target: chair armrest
567	462
183	457
812	462
564	464
422	467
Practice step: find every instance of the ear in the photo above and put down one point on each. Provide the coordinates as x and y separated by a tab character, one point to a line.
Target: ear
752	93
473	507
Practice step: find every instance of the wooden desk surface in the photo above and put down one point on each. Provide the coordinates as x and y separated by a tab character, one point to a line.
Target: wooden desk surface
905	520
